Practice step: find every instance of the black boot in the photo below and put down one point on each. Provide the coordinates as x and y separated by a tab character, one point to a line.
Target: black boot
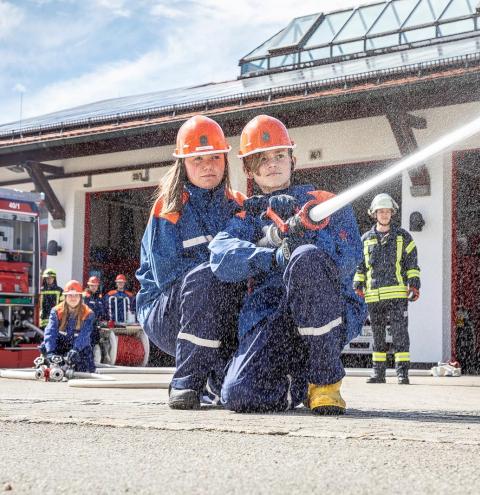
378	373
402	373
184	399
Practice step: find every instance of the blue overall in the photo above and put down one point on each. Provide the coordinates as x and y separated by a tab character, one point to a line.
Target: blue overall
296	320
59	342
96	303
183	308
120	297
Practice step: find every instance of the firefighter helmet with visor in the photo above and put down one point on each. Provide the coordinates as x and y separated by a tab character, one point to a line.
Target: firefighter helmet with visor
264	133
200	135
381	201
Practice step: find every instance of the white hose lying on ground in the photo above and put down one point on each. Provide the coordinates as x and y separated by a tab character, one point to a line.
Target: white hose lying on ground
116	384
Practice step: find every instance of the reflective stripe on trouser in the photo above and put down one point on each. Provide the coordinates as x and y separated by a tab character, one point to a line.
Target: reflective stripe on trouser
379	357
300	343
402	357
196	321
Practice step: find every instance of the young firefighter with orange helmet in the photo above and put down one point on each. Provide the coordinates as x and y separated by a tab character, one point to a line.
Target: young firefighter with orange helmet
184	309
120	301
69	329
93	298
301	308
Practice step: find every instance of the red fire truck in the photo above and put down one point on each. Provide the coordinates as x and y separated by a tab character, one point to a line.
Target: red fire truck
19	277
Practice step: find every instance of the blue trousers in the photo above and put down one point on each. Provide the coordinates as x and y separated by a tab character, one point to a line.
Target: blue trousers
196	321
300	343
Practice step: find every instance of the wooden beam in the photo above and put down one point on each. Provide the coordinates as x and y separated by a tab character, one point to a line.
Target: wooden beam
41	183
401	125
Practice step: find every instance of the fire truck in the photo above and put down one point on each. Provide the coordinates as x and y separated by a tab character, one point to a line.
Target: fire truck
19	277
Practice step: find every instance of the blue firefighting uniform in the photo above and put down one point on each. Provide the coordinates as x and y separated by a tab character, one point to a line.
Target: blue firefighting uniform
117	301
61	341
183	308
296	320
96	303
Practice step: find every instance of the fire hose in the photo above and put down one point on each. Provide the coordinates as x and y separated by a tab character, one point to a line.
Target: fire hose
315	214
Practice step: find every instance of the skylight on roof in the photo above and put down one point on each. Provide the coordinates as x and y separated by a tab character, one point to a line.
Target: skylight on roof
379	27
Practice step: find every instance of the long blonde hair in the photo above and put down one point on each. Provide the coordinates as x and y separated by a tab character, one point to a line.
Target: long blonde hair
172	186
67	312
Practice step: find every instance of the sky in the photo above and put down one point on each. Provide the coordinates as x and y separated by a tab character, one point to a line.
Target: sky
59	54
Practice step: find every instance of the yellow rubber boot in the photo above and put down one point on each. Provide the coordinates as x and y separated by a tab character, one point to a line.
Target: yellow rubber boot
326	399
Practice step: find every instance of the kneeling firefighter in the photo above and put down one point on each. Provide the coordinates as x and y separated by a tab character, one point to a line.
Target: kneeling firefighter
388	277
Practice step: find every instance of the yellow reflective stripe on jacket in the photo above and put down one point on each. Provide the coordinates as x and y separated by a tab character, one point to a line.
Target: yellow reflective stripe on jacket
359	277
398	261
413	273
410	247
402	357
379	357
366	254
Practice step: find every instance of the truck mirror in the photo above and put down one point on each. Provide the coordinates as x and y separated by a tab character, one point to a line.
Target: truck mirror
416	221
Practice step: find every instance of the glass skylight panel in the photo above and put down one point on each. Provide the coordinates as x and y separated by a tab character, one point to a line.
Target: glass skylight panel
417	35
296	31
458	8
360	22
348	48
456	27
329	27
403	8
438	6
316	54
382	41
423	14
283	60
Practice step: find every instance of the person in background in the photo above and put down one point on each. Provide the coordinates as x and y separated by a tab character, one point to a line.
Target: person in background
183	308
93	298
50	295
69	328
388	277
301	309
120	302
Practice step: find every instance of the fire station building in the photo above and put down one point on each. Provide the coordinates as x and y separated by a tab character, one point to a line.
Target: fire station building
358	89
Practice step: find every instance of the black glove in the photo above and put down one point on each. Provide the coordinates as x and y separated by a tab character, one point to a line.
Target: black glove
283	205
288	246
72	356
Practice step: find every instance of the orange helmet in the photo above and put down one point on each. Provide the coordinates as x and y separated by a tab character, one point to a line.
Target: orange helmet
73	287
263	133
121	278
93	280
200	135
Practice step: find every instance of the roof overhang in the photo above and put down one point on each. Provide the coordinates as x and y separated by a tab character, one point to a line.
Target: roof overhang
341	99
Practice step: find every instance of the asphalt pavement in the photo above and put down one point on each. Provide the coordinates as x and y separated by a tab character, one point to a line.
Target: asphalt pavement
422	438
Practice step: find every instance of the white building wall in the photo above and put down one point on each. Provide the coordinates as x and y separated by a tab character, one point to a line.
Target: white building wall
341	143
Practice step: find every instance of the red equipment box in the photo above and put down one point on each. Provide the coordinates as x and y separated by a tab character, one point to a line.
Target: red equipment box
13	282
14	266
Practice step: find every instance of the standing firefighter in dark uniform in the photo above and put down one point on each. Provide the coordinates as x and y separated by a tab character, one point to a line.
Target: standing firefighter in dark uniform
50	295
388	278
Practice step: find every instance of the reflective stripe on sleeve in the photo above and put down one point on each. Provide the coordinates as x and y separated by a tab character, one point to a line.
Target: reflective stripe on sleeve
413	273
195	241
214	344
316	331
359	277
410	247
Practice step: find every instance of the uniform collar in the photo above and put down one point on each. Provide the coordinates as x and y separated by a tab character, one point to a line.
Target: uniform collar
199	194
